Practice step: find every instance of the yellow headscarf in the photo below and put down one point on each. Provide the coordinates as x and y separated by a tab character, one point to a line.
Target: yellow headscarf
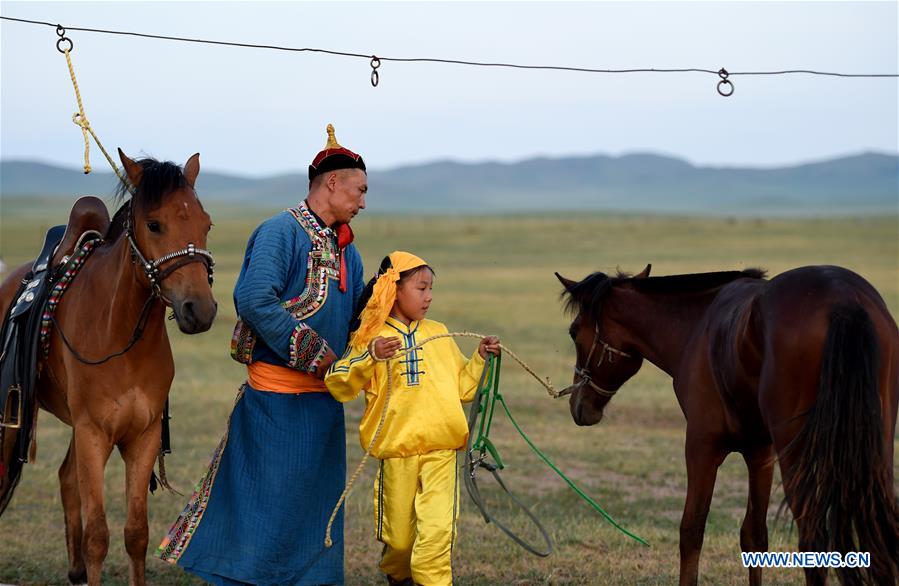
383	297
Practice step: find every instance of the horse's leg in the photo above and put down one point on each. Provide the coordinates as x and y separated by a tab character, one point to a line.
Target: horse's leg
754	532
703	459
784	435
92	449
71	506
139	456
807	540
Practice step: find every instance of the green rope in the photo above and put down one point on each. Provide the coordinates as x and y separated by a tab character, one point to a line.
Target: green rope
482	440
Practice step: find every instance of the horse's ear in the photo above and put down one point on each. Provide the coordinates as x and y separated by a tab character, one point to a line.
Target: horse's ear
132	169
192	169
644	273
567	283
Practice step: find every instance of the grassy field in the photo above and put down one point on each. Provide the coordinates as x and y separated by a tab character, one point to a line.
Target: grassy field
495	275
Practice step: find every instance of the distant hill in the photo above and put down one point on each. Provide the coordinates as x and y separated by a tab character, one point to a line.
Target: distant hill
864	184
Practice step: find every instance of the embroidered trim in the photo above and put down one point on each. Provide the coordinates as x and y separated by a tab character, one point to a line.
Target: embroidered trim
410	361
380	503
307	349
185	526
71	270
455	507
322	265
242	342
346	367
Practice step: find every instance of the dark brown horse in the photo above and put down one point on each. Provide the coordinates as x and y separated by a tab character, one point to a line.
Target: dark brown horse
804	366
152	256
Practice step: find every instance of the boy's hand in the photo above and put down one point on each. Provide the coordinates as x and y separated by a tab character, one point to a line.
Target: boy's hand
384	348
489	345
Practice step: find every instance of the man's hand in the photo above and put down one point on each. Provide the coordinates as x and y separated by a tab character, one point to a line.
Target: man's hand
489	345
326	363
384	348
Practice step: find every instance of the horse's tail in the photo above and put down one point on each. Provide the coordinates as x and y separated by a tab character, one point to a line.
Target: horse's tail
842	492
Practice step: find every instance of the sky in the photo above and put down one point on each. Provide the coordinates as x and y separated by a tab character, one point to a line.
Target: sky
256	112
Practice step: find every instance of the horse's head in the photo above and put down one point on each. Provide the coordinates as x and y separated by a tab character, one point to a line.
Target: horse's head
167	228
605	360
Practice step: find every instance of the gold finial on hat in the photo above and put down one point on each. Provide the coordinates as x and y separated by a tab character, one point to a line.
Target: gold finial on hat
332	141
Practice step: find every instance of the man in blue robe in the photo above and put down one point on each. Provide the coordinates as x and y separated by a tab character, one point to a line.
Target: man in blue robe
259	514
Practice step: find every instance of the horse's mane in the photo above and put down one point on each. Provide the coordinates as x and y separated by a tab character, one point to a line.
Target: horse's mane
158	179
585	296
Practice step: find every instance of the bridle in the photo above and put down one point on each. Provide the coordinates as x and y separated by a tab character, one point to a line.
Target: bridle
186	256
607	352
151	267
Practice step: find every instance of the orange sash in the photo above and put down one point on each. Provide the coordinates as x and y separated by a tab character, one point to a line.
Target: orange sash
280	379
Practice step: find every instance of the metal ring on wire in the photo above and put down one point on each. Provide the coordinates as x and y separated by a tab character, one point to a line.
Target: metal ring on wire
375	63
725	87
63	38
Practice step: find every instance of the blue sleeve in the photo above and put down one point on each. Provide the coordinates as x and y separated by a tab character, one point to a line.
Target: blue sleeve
271	253
358	279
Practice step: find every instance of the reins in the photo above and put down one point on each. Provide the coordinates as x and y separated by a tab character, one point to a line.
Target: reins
481	414
491	395
480	418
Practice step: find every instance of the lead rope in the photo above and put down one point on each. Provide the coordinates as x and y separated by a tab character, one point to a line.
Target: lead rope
546	384
80	118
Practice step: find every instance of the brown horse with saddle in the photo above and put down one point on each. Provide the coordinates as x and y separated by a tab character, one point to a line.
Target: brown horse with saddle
103	363
802	369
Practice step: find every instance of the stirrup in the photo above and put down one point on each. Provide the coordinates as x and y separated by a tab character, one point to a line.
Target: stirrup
8	419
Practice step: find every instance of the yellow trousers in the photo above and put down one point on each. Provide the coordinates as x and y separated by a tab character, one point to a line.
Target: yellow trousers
416	507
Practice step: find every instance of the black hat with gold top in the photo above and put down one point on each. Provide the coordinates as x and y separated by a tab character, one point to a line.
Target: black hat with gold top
334	157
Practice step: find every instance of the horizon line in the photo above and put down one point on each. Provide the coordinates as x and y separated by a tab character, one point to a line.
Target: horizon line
451	161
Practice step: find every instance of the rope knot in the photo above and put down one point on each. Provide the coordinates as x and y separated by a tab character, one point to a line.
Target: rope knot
81	121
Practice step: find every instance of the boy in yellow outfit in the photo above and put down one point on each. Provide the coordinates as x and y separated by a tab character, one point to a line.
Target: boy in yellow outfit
416	489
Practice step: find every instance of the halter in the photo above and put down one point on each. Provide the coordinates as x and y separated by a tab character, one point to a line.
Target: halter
151	267
584	373
151	270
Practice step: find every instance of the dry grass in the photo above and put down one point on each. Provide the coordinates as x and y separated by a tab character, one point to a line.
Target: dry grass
494	276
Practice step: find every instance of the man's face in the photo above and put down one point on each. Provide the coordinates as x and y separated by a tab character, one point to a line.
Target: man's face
348	195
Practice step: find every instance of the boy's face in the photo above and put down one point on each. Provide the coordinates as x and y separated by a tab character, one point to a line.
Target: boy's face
413	296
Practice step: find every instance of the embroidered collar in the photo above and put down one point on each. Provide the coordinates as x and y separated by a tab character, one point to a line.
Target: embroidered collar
401	327
315	221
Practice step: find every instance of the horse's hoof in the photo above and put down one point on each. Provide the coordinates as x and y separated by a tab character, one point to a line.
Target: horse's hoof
78	576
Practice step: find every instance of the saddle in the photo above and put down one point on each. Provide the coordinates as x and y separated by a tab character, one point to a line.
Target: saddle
88	218
20	333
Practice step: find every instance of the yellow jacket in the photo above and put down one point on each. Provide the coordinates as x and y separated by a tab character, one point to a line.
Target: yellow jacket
428	387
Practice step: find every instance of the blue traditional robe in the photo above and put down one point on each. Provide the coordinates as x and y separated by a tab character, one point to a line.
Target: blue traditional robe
258	515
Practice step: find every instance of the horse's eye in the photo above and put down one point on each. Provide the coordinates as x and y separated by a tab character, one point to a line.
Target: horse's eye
153	227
